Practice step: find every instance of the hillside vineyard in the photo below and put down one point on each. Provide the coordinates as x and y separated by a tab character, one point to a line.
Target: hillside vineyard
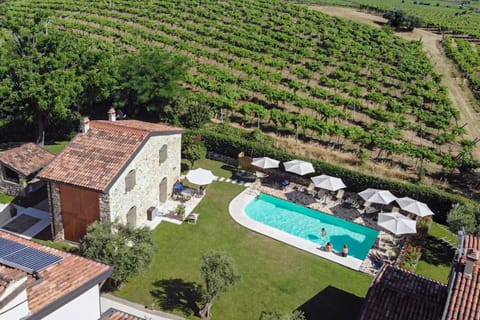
285	69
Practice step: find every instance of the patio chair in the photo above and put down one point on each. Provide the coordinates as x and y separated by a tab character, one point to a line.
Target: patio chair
339	195
193	218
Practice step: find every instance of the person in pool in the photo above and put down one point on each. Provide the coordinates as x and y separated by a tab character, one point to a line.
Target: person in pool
345	250
329	247
324	233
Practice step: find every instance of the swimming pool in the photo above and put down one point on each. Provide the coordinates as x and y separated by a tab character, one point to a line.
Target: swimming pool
307	223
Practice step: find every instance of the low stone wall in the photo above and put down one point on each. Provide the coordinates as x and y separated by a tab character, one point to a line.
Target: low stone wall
11	188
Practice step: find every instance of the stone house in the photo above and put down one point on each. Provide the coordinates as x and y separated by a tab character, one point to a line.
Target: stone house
111	170
19	166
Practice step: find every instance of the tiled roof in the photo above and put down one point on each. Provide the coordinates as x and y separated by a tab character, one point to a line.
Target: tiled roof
94	159
26	159
464	301
397	294
8	275
114	314
61	279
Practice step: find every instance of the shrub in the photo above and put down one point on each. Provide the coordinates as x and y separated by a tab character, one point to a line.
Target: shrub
463	216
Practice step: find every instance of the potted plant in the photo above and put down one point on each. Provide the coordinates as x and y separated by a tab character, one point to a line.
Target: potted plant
180	211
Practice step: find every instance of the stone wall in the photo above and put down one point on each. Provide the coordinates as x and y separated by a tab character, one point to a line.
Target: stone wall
11	188
55	205
149	174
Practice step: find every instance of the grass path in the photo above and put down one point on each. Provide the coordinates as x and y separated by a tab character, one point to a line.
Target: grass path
274	275
460	95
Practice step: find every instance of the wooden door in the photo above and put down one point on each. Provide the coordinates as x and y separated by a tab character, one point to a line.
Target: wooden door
80	208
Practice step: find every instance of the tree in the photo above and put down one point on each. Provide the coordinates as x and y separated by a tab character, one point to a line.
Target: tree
218	272
195	151
128	249
463	216
148	82
43	76
295	315
399	19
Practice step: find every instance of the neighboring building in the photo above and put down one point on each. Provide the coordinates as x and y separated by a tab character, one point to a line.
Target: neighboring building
39	282
18	167
111	170
464	284
114	314
397	294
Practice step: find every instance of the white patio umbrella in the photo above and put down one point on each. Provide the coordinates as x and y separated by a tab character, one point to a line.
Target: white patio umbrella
265	163
201	176
299	167
413	206
377	196
397	223
328	183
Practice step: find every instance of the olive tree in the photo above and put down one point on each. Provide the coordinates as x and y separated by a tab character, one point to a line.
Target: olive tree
218	272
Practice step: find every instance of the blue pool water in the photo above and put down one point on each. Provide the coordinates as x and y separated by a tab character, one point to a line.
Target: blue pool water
307	223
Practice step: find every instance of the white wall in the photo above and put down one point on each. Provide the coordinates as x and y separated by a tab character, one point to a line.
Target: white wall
18	307
5	212
84	307
149	174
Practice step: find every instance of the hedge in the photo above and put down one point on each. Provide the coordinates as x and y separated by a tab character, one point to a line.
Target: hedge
232	141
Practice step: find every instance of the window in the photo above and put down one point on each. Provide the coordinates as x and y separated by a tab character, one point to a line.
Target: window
132	217
163	154
11	175
130	181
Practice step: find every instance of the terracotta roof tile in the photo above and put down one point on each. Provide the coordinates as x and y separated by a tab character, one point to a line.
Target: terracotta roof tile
26	159
60	279
397	294
93	160
8	275
114	314
465	302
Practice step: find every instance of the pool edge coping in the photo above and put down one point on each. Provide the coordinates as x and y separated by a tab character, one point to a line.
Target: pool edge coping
236	209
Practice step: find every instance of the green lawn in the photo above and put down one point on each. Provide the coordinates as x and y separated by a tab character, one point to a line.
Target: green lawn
437	256
218	168
274	276
56	147
5	198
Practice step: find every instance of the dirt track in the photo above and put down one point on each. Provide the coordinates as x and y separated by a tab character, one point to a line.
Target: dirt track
461	96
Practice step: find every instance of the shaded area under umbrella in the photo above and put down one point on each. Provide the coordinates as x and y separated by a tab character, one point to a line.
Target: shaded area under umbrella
413	206
299	167
397	223
201	176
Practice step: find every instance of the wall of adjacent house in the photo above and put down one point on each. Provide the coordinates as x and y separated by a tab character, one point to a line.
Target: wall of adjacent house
149	175
55	206
9	187
84	307
17	308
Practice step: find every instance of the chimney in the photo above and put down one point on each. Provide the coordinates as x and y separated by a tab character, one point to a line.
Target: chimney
85	125
472	258
111	115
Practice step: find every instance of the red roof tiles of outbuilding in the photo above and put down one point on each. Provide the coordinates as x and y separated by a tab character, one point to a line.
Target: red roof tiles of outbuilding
464	301
63	279
397	294
93	159
114	314
26	159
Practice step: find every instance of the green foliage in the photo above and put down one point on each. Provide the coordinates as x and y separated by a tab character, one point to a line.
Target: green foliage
195	151
295	315
399	19
126	248
148	81
463	216
42	76
231	141
218	272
